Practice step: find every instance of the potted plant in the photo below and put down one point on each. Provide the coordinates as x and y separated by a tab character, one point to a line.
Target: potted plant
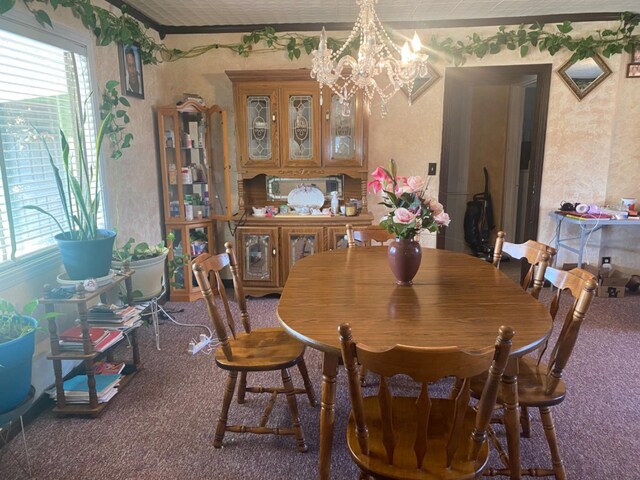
148	262
85	248
17	343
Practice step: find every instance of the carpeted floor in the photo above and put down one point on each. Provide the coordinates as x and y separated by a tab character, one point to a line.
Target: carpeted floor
161	426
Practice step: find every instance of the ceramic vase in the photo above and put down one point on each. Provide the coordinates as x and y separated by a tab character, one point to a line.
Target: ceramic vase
404	259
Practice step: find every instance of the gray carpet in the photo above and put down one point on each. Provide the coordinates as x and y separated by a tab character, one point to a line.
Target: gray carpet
161	426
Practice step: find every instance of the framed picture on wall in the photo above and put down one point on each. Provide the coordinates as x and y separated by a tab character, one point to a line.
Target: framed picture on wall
421	85
131	70
633	69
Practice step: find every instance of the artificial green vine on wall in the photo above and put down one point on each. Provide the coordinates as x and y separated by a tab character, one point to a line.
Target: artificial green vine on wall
111	28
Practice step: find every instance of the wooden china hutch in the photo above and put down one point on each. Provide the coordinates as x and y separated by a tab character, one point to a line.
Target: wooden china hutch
286	138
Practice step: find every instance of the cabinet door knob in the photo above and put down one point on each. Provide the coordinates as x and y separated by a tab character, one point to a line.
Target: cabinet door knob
273	252
326	116
273	117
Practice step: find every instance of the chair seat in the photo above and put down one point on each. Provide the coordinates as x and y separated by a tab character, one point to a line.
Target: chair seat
262	349
532	381
404	419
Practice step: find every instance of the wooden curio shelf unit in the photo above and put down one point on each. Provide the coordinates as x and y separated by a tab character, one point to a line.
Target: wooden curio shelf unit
88	355
195	184
286	136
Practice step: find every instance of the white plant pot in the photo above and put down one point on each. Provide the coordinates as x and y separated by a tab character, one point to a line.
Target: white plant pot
148	278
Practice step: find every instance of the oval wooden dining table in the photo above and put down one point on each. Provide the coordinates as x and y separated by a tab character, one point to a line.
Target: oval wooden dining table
455	300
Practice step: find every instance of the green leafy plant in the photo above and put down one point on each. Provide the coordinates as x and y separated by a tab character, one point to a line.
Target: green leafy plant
78	183
113	103
140	251
14	324
110	28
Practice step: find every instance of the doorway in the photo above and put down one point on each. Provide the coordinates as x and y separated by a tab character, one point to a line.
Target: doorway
494	119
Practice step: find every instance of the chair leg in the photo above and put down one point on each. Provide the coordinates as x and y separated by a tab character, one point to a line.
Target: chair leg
242	387
525	422
293	408
364	475
307	383
550	433
363	375
224	413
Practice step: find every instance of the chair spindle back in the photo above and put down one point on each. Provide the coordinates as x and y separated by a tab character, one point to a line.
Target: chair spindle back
207	268
581	285
425	365
538	256
366	235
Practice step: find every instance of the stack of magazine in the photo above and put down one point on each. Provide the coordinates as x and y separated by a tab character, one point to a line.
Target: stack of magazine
114	317
101	339
76	389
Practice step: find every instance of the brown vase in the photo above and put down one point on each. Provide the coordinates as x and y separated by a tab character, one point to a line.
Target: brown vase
404	259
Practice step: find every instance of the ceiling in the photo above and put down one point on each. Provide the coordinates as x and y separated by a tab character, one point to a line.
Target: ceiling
181	16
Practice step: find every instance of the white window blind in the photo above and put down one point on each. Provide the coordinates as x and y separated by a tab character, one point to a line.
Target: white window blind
42	88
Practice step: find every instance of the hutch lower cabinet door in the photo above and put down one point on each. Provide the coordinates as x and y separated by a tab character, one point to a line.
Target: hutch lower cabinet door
297	243
257	251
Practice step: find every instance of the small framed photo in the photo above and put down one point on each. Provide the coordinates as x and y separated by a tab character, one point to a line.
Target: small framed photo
635	55
131	70
633	70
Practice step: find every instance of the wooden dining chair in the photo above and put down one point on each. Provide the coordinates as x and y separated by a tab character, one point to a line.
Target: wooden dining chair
540	384
254	350
366	235
418	438
537	254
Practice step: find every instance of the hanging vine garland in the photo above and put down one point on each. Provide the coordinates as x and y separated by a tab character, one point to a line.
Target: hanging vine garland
110	28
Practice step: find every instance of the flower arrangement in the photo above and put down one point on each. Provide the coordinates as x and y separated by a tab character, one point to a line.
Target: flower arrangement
412	210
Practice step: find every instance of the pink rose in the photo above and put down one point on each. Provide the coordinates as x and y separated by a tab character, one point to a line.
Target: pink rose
404	216
416	184
436	207
442	219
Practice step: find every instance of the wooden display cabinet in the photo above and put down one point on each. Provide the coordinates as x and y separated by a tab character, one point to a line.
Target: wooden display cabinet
81	301
195	181
287	129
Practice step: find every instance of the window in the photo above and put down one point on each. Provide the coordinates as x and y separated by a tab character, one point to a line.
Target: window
43	87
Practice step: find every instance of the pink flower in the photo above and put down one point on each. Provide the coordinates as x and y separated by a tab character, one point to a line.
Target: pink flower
436	207
416	184
402	215
442	218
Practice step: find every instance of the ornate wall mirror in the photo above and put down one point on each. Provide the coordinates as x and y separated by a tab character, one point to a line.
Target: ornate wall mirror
421	85
584	75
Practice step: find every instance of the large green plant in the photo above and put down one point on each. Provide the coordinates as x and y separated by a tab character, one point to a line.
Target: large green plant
78	183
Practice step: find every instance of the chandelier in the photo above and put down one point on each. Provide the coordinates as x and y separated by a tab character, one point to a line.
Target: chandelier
380	68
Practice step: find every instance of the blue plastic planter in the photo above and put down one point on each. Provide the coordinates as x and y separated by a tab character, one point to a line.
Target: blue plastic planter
15	368
87	258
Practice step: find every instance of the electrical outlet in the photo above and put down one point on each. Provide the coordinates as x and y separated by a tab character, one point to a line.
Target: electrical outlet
606	260
432	169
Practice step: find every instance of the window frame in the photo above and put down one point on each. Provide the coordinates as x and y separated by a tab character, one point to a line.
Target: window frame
22	23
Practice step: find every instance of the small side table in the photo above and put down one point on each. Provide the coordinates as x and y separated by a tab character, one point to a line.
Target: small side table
7	420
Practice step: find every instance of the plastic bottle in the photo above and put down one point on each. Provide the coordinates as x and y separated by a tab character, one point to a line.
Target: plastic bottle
335	203
173	174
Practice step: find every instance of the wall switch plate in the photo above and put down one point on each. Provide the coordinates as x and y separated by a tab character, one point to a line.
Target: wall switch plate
432	169
606	260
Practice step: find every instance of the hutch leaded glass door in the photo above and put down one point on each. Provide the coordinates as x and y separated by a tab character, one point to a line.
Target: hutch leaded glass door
259	107
300	127
257	255
342	131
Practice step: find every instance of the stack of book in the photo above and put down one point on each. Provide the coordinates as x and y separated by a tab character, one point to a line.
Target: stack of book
112	317
101	339
76	389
